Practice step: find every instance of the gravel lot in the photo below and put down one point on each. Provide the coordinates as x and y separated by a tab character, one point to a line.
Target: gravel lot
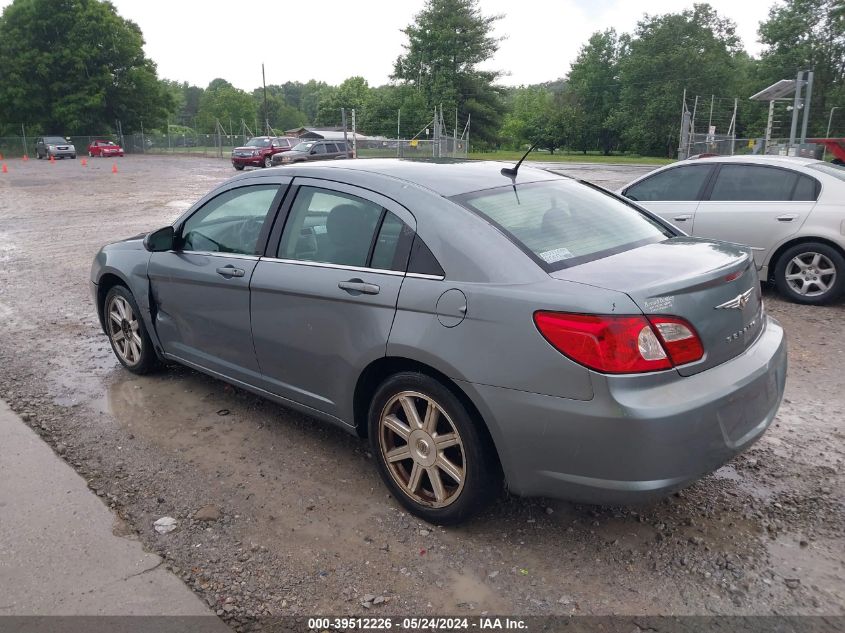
301	523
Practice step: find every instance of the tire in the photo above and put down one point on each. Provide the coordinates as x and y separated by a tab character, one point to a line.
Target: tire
466	468
90	154
139	357
268	162
811	273
239	167
37	154
73	156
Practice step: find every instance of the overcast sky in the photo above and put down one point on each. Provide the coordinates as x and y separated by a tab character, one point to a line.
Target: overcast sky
330	40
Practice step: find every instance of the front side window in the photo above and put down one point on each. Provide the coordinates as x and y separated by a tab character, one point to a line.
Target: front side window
319	148
331	148
304	146
563	223
338	228
676	184
231	222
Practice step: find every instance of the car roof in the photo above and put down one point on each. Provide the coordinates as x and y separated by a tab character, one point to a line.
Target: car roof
447	178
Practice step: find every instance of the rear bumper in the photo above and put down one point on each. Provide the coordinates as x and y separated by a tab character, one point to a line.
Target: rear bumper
640	437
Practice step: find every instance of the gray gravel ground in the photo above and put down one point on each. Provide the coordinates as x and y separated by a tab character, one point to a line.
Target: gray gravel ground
301	523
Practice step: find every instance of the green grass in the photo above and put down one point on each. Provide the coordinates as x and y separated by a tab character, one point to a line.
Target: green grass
576	157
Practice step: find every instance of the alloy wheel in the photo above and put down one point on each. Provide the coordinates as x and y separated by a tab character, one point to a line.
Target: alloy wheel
123	328
810	274
422	449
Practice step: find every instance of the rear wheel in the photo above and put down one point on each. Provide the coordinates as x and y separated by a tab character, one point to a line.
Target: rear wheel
811	273
127	333
432	455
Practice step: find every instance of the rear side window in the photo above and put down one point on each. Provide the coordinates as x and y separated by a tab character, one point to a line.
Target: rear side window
753	183
676	184
806	189
563	223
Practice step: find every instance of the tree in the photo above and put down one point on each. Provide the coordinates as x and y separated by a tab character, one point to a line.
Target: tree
594	82
222	102
280	114
76	66
807	35
353	93
696	49
446	43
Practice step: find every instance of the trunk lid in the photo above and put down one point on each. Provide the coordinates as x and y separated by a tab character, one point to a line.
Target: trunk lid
713	285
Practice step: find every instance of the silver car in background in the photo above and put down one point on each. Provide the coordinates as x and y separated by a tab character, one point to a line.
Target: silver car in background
477	325
790	211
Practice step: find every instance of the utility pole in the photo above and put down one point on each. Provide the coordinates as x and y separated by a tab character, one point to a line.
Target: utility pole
266	117
796	102
23	134
455	135
807	97
354	137
398	133
345	139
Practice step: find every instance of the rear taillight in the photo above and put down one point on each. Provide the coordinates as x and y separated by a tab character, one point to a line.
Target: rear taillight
621	344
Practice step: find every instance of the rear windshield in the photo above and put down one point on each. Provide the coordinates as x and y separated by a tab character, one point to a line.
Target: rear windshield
562	223
837	171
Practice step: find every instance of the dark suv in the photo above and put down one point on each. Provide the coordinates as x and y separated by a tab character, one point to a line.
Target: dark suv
259	151
313	150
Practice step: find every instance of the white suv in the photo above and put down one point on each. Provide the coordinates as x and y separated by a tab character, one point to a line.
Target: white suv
790	211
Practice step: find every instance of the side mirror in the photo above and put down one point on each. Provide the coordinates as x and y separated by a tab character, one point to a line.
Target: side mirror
161	240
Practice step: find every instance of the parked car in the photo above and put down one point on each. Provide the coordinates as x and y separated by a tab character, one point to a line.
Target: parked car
259	151
473	325
55	146
104	148
314	150
790	211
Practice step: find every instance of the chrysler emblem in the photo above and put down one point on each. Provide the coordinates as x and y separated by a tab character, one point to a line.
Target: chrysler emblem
738	302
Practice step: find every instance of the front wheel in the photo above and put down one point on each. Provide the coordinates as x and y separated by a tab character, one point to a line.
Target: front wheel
268	162
238	167
90	154
73	156
436	460
811	273
127	333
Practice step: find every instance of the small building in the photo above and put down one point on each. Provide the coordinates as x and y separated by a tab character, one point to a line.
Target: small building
328	134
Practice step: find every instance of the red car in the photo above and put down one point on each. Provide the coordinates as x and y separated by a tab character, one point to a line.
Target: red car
104	148
258	151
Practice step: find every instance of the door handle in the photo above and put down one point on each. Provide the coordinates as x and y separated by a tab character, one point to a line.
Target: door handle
682	218
230	271
357	286
788	217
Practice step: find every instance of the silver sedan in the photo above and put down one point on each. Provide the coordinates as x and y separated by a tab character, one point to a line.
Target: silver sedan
790	211
478	326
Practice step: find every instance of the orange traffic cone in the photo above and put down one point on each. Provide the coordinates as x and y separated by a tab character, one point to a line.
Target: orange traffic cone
85	162
114	168
52	159
25	158
5	169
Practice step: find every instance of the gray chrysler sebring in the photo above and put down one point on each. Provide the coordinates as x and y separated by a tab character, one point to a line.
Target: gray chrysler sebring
477	324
